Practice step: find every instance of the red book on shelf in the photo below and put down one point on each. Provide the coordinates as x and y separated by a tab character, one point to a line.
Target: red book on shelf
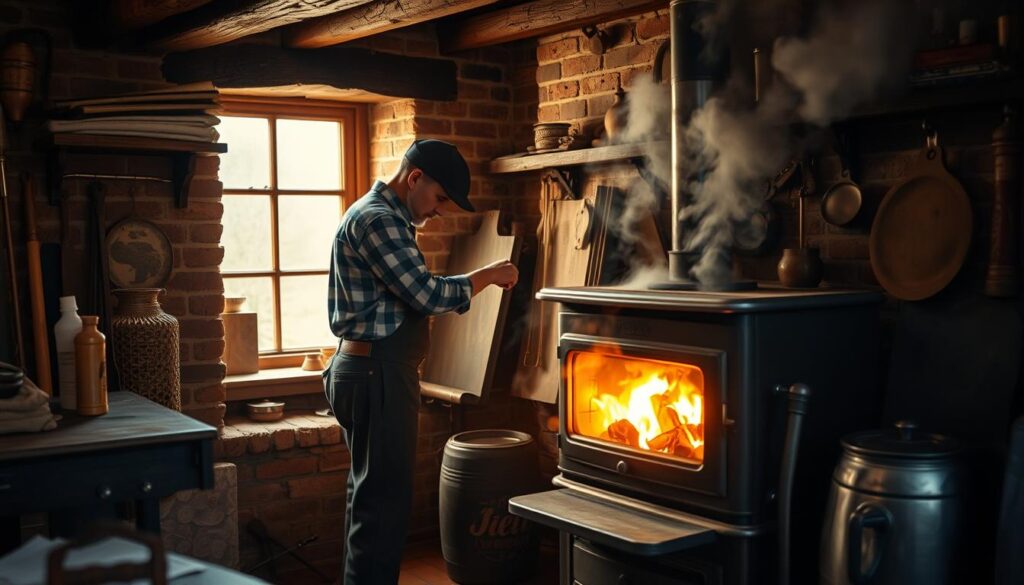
958	55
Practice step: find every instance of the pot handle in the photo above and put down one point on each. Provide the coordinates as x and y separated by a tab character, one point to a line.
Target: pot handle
866	516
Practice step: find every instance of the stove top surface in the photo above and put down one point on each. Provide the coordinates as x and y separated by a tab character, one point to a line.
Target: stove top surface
763	298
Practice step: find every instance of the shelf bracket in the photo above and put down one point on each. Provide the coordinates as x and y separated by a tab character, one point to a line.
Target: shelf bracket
568	179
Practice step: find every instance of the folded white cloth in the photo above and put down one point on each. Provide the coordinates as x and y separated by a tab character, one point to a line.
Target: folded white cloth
26	411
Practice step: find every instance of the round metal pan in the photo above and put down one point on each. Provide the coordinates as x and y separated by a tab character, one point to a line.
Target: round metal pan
921	233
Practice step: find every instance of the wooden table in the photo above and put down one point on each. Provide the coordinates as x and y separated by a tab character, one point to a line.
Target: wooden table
134	455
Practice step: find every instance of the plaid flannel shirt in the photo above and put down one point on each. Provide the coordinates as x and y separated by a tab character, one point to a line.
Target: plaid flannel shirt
378	272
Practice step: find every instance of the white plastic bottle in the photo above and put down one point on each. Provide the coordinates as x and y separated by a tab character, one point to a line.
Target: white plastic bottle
64	332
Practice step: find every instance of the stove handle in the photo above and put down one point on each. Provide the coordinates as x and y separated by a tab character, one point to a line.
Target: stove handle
797	396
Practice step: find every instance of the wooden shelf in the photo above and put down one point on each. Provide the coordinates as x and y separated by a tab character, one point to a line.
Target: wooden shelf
969	94
181	152
569	158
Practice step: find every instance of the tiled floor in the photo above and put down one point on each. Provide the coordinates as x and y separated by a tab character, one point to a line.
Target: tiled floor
423	564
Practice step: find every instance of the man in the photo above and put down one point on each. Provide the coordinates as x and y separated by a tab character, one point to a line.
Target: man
380	295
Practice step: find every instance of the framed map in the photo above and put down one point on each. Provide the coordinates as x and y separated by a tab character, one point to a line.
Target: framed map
138	254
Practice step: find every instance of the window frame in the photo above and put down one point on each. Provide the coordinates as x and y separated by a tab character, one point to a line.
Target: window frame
355	181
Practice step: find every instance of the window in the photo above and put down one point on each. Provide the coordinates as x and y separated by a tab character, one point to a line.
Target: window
291	168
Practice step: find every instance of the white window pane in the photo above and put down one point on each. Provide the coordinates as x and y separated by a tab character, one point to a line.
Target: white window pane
246	165
246	238
259	299
308	154
304	312
306	226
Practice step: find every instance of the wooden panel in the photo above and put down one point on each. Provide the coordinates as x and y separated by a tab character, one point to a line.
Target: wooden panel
241	354
534	19
340	67
565	265
133	14
226	20
465	347
372	19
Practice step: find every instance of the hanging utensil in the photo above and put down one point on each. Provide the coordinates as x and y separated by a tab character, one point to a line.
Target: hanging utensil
40	338
842	202
9	240
921	233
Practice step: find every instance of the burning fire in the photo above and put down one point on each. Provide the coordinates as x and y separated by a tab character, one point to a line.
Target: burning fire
646	404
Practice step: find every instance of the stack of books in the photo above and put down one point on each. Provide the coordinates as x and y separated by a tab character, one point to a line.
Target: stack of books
184	112
956	64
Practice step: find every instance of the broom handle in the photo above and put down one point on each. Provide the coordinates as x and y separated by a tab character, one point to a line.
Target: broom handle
10	242
40	339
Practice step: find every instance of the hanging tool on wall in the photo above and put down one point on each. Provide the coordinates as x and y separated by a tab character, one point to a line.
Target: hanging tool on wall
9	242
40	339
22	82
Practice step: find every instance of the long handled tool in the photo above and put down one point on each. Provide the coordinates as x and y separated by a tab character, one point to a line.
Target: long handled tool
40	340
10	242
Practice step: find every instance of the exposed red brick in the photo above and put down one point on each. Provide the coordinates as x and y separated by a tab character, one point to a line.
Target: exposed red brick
259	443
206	233
201	328
432	126
501	94
600	83
214	393
284	439
206	305
326	484
202	372
650	28
472	91
480	129
563	90
330	434
260	494
307	437
200	210
205	189
335	460
206	166
496	112
548	113
557	50
573	110
197	281
203	257
148	70
204	350
278	468
211	415
232	446
549	72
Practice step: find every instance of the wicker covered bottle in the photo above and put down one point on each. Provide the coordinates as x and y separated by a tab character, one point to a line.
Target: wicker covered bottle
146	346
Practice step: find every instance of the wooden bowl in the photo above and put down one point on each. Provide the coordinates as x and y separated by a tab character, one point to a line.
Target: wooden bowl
233	304
265	411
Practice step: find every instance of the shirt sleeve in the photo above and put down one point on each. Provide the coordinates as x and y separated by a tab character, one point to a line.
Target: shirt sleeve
394	257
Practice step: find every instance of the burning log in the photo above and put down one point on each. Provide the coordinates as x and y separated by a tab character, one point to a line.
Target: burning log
623	431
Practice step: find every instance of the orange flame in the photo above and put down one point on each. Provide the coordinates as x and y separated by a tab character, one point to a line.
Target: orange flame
646	404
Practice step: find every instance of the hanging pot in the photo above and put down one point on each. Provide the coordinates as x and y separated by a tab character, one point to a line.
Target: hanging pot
893	491
842	202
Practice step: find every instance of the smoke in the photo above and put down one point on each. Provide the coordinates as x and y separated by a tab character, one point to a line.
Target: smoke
731	147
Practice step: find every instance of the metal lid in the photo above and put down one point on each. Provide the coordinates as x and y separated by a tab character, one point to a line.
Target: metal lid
489	439
903	441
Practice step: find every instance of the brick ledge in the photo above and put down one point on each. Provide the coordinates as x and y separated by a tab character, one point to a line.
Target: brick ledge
298	428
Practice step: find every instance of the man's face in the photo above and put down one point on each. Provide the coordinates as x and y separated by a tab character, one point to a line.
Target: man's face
427	198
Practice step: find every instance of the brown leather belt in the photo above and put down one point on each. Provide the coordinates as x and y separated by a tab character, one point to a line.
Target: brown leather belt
353	347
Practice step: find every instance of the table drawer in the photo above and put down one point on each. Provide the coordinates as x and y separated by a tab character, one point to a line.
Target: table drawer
593	565
116	475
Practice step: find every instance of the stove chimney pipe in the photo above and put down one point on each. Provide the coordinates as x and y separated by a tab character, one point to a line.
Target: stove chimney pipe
695	72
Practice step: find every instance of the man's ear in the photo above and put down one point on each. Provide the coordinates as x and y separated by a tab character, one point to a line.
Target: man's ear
414	176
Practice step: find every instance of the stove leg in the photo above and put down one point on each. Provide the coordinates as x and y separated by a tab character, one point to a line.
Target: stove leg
564	558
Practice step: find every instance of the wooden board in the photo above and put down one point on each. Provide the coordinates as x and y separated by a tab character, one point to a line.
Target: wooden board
464	347
241	354
537	377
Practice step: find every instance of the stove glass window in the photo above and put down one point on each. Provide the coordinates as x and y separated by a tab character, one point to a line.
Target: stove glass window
646	404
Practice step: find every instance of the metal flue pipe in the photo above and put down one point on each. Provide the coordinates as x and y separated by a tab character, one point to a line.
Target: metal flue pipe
696	70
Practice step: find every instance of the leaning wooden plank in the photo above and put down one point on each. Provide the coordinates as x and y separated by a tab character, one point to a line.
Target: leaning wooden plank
239	66
534	19
226	20
372	19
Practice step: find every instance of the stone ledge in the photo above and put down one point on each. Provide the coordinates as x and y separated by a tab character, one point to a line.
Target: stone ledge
302	428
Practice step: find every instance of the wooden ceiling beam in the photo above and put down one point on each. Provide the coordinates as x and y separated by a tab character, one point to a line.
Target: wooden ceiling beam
371	19
534	19
227	20
344	68
135	14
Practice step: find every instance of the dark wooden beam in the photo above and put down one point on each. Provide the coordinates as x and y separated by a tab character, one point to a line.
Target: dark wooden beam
374	18
134	14
226	20
533	19
240	66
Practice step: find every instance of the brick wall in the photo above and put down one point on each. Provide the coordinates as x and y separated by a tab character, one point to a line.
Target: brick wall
195	291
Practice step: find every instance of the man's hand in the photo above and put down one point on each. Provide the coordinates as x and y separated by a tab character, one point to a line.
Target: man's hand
501	273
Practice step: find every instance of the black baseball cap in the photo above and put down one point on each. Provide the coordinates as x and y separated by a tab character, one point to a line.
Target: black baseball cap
442	162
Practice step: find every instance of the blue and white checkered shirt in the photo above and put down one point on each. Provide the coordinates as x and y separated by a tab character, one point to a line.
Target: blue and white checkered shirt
378	272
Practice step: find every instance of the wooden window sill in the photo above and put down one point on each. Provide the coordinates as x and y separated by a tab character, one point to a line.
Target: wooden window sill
273	382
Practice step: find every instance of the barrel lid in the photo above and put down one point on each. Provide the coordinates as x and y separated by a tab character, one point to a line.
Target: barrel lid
489	439
903	441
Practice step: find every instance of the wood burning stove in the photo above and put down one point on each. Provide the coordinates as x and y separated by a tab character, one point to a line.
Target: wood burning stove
673	431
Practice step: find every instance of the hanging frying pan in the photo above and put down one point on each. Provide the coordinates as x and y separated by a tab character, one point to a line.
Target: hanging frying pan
922	230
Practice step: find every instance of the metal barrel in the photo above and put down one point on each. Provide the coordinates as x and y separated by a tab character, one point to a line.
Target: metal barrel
481	540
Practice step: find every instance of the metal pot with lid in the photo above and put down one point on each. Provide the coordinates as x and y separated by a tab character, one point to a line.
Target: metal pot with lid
895	509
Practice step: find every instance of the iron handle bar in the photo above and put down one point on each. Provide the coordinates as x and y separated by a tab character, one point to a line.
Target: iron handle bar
798	396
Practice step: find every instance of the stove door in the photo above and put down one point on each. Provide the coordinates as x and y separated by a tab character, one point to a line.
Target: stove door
649	413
